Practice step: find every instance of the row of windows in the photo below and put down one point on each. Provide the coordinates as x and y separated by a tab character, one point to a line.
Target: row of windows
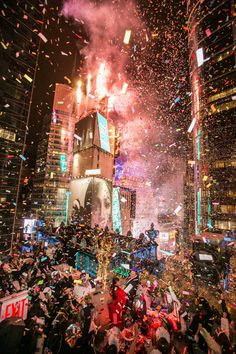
223	94
225	224
221	107
228	209
224	164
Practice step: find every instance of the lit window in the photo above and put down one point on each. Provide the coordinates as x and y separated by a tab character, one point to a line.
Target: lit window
225	225
8	135
228	209
223	94
222	107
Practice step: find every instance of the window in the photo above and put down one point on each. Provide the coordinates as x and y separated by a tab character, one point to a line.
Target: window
228	209
223	94
231	194
8	135
219	164
225	225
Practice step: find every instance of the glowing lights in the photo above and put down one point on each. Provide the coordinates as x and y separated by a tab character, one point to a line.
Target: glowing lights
63	163
79	93
88	88
124	88
192	125
127	36
101	82
199	144
93	172
111	103
67	205
116	213
199	207
209	221
103	133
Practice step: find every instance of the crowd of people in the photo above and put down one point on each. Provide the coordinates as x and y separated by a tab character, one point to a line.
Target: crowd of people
145	315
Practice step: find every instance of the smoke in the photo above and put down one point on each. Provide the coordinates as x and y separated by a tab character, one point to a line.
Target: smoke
105	24
144	140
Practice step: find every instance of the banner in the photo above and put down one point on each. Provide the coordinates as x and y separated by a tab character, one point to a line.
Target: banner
15	305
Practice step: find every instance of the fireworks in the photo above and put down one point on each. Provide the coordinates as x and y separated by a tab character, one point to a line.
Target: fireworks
79	94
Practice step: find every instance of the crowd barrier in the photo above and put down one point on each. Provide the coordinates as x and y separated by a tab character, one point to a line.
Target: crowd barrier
88	262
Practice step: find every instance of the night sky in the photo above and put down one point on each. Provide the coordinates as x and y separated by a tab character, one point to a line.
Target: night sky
163	63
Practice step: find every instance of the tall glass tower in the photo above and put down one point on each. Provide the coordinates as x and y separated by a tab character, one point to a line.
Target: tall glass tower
212	40
20	31
54	158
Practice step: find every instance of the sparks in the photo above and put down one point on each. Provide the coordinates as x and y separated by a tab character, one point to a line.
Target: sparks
79	94
101	82
88	88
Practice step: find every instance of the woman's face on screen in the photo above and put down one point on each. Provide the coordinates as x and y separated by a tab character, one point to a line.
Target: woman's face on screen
102	204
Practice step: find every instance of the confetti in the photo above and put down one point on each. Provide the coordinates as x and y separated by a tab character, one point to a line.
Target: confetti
127	36
44	39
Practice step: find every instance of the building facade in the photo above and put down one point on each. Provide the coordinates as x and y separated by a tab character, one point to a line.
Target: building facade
54	158
20	29
92	170
212	36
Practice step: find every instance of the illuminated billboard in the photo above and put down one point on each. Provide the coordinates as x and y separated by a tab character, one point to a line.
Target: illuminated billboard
29	226
91	201
84	132
63	163
116	212
103	133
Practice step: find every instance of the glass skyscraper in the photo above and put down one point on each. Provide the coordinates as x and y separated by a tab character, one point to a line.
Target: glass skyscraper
54	158
212	39
20	31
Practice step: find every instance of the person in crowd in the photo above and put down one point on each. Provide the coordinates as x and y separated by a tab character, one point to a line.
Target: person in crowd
116	307
62	310
223	340
162	332
131	286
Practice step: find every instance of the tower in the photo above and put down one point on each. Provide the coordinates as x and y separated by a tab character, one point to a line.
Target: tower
92	171
212	73
20	31
54	158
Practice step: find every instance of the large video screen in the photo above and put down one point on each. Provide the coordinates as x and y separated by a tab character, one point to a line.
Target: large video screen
85	130
91	201
103	133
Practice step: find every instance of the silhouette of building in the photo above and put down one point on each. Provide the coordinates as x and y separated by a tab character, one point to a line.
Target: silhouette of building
212	36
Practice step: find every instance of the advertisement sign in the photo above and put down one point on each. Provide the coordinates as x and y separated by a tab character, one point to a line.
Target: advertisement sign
91	201
84	129
103	133
15	305
63	163
116	213
29	226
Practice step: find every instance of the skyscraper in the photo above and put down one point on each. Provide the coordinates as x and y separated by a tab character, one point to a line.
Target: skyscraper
94	150
54	157
212	35
20	30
